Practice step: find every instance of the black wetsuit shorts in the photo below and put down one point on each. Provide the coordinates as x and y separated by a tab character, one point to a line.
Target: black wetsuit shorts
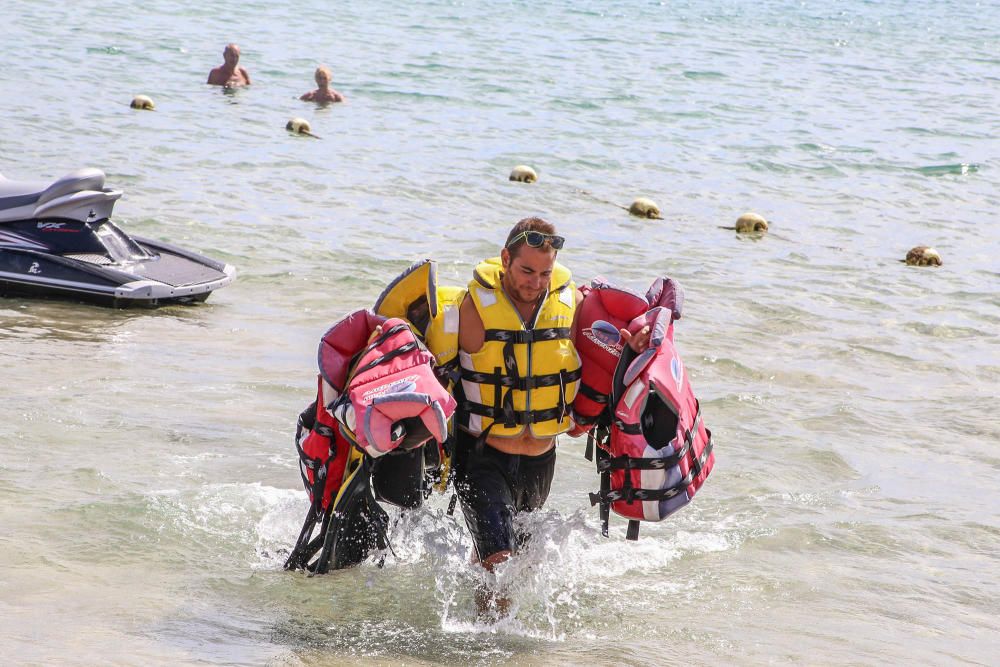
493	487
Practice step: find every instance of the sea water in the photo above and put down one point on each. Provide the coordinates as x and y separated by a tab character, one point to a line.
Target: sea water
148	480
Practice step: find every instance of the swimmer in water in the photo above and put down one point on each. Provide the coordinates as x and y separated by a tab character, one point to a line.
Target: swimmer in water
229	74
323	94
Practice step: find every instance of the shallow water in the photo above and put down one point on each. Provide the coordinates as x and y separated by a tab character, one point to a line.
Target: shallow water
148	480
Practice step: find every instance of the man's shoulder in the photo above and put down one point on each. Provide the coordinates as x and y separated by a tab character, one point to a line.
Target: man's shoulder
468	314
468	306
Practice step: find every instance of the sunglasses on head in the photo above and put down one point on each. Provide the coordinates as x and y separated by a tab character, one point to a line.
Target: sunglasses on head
538	239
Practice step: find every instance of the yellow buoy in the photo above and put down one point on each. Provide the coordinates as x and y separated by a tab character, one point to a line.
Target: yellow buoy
142	102
645	208
522	173
750	222
300	126
923	256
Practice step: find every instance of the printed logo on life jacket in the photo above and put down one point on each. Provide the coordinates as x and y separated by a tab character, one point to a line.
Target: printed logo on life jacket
677	370
409	383
606	336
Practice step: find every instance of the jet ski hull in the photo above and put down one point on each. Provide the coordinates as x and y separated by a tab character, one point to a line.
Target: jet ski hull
171	275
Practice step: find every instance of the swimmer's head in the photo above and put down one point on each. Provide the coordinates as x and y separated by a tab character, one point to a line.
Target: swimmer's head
323	76
231	54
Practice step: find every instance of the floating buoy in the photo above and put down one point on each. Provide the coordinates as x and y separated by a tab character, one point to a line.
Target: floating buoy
142	102
300	126
750	222
923	256
522	173
645	208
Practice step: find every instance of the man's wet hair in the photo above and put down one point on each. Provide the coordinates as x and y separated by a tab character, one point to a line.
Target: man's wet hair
533	224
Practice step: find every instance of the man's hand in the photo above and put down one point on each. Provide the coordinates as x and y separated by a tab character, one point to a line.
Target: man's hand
639	342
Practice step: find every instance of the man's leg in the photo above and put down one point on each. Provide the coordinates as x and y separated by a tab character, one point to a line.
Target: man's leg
533	481
484	489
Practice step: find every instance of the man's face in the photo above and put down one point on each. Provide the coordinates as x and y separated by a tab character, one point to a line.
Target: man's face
231	54
526	277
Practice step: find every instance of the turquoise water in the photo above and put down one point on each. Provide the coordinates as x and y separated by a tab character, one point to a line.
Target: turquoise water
147	473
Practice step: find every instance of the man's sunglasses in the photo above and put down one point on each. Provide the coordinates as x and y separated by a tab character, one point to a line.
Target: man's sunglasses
538	239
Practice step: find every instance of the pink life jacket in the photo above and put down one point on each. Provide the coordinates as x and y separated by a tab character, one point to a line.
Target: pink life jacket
393	398
605	310
660	450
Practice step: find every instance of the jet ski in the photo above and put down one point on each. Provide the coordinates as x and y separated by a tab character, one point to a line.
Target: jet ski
57	240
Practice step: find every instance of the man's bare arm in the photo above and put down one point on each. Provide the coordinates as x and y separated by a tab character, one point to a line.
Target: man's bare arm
471	331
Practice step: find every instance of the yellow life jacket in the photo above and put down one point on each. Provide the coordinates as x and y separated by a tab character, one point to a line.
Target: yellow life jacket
526	374
432	310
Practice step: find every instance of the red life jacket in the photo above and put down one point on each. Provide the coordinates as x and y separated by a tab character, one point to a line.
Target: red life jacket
322	451
604	311
660	450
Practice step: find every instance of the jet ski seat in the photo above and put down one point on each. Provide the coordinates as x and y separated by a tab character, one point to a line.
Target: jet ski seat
21	193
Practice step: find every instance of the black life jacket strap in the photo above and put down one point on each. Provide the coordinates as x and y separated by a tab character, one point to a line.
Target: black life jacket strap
388	356
598	435
699	461
449	373
513	381
593	394
296	558
633	530
626	427
632	494
601	497
385	335
307	546
510	418
524	337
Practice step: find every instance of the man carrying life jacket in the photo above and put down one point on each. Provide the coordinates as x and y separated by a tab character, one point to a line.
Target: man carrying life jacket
520	372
